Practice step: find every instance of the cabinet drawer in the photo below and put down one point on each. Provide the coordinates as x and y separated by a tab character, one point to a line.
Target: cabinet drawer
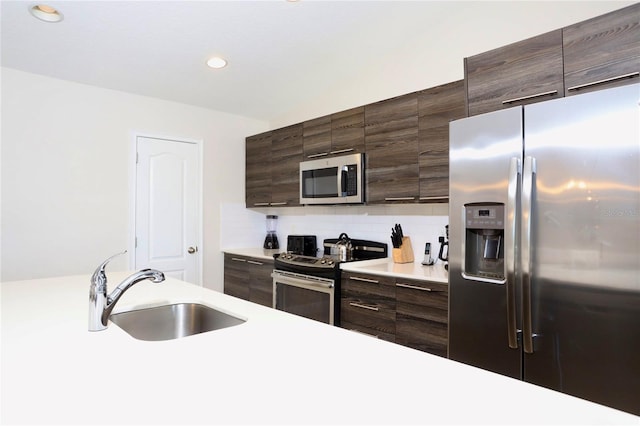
375	317
422	315
368	304
528	71
364	285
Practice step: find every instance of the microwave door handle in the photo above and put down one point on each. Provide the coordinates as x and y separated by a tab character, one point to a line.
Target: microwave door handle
342	172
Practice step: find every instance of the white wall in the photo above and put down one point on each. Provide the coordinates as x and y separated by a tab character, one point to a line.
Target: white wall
65	172
436	46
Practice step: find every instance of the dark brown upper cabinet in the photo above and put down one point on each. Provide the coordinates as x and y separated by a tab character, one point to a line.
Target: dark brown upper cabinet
336	134
437	107
286	155
317	137
602	52
391	141
347	131
527	71
258	170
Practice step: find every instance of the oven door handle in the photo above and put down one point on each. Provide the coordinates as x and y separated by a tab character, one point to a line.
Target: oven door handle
299	282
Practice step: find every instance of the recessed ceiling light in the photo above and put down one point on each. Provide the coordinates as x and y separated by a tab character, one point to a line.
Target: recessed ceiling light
46	13
216	62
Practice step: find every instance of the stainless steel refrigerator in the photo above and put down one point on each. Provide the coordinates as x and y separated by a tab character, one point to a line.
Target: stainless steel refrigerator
544	249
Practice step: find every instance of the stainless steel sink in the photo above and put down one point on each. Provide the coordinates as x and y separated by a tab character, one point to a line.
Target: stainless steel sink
173	321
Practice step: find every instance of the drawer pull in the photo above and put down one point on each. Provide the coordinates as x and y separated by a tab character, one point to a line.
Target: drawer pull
606	80
261	204
341	151
415	287
524	98
399	198
253	262
281	203
366	280
320	154
237	259
359	305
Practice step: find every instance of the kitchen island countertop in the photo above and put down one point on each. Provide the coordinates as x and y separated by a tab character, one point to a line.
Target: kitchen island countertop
275	368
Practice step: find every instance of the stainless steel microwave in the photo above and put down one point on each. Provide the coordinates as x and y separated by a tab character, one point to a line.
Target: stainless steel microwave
333	180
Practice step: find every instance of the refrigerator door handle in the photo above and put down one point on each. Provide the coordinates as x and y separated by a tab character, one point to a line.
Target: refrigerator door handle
528	175
510	248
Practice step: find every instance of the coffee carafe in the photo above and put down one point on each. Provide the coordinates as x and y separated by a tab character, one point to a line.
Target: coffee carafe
271	240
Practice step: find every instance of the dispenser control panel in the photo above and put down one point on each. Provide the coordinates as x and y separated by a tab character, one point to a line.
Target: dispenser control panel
485	217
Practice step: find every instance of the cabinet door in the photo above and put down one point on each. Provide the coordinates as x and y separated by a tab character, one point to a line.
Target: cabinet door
236	278
391	140
437	107
317	137
286	155
347	131
602	52
524	72
258	170
422	315
260	281
368	305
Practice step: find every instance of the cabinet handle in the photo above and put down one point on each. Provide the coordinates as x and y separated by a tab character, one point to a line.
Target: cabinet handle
434	198
399	198
237	259
321	154
261	204
606	80
253	262
341	151
360	305
415	287
366	280
281	203
524	98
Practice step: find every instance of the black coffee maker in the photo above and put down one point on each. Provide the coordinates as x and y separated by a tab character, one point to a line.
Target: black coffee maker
271	240
444	248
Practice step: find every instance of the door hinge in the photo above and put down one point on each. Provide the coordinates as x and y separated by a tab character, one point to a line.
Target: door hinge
135	244
136	158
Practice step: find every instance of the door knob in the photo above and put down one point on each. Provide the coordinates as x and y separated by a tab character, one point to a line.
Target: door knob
192	250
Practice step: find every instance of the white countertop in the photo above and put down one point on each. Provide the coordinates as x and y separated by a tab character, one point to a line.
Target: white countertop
414	270
259	253
276	368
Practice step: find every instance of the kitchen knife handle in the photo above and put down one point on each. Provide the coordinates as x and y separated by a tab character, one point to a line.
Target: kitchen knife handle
510	248
528	180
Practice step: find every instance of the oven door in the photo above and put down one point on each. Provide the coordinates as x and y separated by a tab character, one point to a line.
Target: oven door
304	295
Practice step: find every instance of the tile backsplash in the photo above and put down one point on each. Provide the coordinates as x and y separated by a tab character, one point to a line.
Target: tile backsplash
244	227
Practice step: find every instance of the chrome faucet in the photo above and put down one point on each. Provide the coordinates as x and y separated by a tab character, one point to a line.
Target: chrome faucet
101	305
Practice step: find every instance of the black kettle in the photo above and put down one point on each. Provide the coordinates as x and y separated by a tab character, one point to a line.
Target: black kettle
343	248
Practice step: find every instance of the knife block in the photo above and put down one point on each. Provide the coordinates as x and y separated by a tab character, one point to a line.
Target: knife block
404	254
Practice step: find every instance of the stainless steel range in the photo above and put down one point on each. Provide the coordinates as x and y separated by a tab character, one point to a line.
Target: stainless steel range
310	286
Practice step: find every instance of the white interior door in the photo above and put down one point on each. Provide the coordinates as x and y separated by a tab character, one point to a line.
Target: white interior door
167	211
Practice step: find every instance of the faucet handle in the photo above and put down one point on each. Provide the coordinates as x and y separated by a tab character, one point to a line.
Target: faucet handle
99	277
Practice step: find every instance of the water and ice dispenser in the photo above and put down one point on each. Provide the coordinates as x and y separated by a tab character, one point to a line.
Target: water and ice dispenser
484	242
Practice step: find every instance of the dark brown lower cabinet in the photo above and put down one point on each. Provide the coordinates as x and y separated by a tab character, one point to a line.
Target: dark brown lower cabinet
248	278
422	315
412	313
367	305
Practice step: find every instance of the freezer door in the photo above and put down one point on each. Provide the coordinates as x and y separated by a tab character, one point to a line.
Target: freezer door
485	151
584	247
